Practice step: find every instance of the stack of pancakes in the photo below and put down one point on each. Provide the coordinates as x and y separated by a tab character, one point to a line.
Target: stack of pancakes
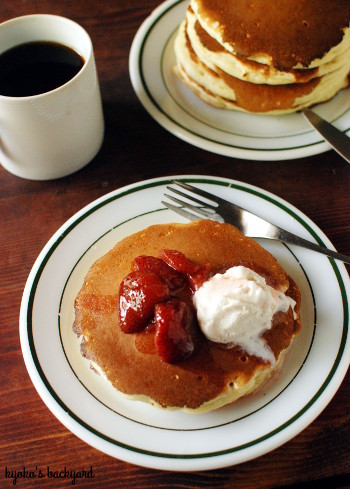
213	375
264	57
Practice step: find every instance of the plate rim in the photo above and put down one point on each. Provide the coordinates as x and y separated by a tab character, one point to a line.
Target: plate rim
43	386
168	122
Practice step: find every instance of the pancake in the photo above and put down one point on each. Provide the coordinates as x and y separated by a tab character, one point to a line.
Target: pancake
285	35
212	375
237	56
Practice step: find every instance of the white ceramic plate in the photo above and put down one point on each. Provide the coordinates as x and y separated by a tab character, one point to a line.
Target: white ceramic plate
229	133
144	435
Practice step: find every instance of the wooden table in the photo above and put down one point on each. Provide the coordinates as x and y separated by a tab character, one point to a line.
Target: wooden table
137	148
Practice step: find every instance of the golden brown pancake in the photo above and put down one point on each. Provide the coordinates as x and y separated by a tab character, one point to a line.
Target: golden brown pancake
213	375
246	56
287	34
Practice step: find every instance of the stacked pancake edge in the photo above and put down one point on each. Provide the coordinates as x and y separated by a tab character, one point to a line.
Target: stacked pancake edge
266	58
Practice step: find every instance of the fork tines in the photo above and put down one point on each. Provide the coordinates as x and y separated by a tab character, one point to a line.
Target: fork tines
205	210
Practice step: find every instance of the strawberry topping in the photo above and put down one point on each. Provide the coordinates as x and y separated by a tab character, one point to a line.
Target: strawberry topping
172	339
174	280
139	292
150	293
196	274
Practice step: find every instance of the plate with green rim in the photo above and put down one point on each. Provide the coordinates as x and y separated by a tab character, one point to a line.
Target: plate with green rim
230	133
139	433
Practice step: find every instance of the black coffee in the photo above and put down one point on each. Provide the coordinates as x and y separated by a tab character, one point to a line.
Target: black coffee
37	67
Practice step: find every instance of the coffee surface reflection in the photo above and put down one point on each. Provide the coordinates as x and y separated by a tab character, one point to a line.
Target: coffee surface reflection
37	67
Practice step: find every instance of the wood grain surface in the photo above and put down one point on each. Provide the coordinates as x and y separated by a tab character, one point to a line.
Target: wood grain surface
137	148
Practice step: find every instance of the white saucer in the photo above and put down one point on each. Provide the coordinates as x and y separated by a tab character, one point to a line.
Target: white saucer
139	433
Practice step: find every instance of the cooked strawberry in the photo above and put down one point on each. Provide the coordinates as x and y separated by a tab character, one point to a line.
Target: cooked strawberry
174	280
196	274
139	292
172	338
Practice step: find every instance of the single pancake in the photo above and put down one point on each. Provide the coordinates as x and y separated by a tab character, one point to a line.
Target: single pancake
213	375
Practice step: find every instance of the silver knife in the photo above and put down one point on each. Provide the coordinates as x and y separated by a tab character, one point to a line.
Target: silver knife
336	138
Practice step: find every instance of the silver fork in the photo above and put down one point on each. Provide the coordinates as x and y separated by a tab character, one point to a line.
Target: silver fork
221	210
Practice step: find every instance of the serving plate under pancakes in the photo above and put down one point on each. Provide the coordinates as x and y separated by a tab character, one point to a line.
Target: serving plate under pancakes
139	433
230	133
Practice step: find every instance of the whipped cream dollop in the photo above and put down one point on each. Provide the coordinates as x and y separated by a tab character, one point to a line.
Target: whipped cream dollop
237	307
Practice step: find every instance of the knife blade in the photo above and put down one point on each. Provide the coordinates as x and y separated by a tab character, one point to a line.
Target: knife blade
336	138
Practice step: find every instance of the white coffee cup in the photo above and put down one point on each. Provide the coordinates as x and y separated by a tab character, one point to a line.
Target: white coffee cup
56	133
